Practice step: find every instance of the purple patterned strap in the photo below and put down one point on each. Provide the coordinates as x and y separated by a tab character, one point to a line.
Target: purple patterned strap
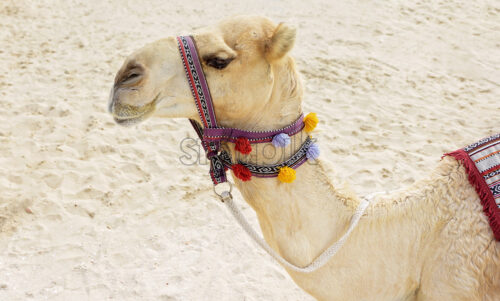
231	134
270	171
204	104
196	77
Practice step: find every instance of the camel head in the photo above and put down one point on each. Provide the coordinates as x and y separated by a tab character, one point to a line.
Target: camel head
247	66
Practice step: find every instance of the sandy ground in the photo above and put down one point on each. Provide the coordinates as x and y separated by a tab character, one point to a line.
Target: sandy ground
93	211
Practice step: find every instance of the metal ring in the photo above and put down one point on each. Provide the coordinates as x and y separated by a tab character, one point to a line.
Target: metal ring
220	195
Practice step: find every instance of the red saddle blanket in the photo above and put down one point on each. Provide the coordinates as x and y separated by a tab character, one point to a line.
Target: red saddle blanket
482	163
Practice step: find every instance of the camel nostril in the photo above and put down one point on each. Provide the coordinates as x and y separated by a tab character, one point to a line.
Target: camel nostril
131	77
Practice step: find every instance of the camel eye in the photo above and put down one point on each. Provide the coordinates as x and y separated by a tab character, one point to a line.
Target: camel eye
217	62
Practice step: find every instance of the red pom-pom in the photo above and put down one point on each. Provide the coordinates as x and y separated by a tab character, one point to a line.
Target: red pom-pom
243	145
241	172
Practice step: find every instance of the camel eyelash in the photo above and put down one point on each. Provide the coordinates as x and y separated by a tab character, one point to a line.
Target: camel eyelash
217	62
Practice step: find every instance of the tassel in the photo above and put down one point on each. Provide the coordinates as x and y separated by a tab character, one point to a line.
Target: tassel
241	172
281	140
312	153
310	122
286	174
243	145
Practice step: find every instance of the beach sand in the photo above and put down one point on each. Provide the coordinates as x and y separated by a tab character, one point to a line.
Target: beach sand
93	211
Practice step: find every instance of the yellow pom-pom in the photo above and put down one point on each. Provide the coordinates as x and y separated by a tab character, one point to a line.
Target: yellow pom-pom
286	174
310	122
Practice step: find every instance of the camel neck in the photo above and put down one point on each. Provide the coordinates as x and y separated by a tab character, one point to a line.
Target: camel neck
300	219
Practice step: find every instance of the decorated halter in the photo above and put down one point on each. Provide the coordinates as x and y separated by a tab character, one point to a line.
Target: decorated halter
211	135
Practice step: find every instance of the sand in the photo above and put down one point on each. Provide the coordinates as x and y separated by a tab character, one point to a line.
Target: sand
93	211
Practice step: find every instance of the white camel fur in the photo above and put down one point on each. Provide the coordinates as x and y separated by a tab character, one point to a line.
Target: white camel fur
429	242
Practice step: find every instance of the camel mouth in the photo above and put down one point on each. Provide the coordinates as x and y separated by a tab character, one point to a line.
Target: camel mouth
128	115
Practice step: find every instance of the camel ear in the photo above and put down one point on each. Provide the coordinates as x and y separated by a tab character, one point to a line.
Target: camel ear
281	42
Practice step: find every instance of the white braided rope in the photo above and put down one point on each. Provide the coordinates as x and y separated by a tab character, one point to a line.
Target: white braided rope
317	263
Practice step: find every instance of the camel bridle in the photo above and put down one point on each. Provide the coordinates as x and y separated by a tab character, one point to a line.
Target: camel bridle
211	136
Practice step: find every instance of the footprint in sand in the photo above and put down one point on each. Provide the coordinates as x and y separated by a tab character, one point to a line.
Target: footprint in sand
52	180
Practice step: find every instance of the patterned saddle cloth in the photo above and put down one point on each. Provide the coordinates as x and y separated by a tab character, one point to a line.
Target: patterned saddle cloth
482	163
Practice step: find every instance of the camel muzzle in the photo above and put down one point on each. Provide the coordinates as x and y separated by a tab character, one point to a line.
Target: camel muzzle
125	114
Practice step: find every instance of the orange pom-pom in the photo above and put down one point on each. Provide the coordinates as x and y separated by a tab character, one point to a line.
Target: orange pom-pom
310	122
286	174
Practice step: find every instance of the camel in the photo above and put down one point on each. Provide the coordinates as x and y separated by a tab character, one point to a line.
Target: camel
428	242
